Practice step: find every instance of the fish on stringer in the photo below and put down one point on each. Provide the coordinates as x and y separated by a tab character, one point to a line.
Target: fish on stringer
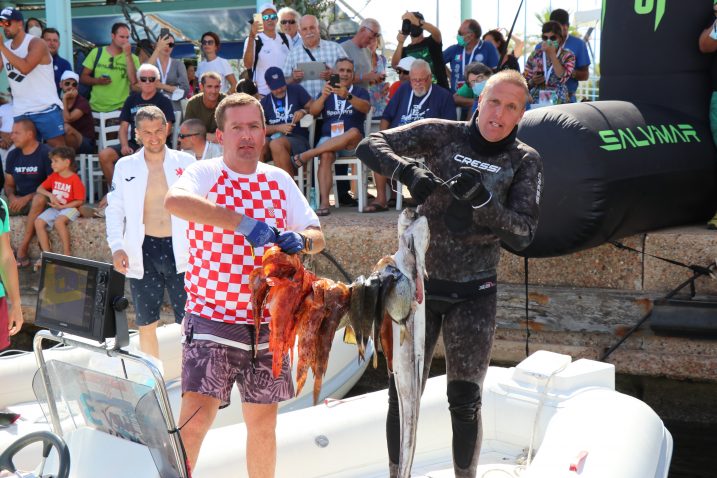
403	338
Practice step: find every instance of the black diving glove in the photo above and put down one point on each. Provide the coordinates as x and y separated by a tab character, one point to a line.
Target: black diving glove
468	187
421	182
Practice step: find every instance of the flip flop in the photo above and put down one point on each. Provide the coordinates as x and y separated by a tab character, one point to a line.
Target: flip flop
23	261
375	207
323	211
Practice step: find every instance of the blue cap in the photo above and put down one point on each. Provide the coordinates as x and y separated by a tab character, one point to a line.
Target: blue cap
275	78
10	13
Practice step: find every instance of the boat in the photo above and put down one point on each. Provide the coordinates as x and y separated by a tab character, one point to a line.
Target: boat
547	417
17	371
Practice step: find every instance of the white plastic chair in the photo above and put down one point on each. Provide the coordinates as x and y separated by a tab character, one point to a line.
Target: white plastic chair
304	173
175	128
107	127
357	172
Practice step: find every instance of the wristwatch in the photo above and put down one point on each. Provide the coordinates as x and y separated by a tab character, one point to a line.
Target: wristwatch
349	97
308	242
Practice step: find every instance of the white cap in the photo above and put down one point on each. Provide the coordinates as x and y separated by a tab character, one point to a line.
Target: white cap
267	6
405	63
69	74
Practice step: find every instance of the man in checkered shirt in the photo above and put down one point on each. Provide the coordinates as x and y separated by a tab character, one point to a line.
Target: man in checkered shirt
312	49
236	207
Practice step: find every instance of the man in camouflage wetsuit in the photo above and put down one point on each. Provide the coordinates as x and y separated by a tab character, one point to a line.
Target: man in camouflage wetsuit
479	186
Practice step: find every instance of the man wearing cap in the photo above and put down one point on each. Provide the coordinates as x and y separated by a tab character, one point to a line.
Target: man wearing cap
312	49
357	50
59	64
403	68
581	72
283	109
429	48
76	112
262	50
28	64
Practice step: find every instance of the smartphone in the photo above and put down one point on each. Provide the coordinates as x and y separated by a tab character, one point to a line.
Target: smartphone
163	32
334	80
257	19
406	26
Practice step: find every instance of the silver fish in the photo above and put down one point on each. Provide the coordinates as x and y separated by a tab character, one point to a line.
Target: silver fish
409	328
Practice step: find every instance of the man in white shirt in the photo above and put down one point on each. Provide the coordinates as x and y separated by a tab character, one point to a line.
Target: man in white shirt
193	140
148	244
313	48
289	24
262	50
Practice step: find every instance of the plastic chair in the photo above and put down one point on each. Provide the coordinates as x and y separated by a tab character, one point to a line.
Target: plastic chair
304	173
357	172
107	127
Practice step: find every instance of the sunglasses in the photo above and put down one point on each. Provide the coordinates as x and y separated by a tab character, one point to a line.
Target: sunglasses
401	72
207	42
147	79
373	33
170	45
550	37
69	83
270	16
187	135
288	22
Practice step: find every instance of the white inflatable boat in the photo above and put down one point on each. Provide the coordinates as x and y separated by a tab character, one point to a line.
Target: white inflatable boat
548	417
17	372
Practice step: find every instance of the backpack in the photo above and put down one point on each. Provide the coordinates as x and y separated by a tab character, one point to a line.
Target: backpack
86	90
257	48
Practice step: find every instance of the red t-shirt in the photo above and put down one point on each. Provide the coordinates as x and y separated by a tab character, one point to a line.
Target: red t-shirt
67	189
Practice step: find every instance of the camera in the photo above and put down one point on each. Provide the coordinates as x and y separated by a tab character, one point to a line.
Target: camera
334	80
163	32
406	26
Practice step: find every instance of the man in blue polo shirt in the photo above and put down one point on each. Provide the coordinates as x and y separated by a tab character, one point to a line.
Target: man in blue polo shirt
344	107
416	100
284	107
581	72
470	48
59	64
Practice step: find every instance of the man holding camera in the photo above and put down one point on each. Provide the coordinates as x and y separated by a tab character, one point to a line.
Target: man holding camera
344	107
428	48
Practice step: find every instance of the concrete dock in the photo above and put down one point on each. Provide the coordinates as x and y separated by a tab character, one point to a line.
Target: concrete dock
579	304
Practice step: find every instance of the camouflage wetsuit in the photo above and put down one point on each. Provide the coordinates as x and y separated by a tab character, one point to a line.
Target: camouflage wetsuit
462	256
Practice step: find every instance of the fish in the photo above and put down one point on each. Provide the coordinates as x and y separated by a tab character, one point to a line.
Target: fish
336	298
405	338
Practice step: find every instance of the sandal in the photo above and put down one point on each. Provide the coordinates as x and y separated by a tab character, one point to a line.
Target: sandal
375	207
23	261
323	211
297	162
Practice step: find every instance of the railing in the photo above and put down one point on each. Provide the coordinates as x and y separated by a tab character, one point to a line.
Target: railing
589	90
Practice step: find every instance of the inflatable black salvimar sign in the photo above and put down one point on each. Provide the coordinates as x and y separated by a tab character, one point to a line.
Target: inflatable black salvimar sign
642	158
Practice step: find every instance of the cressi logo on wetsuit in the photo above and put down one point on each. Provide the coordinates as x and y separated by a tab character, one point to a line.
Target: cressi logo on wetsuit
491	168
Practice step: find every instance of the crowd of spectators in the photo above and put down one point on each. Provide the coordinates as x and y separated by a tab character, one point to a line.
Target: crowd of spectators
292	70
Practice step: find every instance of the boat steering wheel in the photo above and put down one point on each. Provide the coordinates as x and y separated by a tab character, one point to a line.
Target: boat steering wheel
49	440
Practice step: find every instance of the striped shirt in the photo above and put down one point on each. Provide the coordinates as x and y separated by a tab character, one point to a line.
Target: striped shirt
326	51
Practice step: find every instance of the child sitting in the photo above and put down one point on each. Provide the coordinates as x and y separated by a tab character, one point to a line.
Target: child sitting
66	193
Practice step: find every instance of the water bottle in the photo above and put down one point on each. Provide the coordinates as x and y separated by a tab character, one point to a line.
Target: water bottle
313	199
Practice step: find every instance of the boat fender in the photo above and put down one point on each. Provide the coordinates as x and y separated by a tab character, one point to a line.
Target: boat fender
464	403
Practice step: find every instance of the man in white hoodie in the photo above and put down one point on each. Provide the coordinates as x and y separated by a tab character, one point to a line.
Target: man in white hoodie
148	244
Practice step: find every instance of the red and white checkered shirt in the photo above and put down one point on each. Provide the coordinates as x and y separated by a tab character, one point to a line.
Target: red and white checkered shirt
220	260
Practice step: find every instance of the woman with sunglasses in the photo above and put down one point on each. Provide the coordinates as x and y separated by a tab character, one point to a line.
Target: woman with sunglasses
263	50
213	62
549	67
173	74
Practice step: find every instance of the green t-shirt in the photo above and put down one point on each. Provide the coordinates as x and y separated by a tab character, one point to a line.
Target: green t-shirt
465	91
4	228
110	97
